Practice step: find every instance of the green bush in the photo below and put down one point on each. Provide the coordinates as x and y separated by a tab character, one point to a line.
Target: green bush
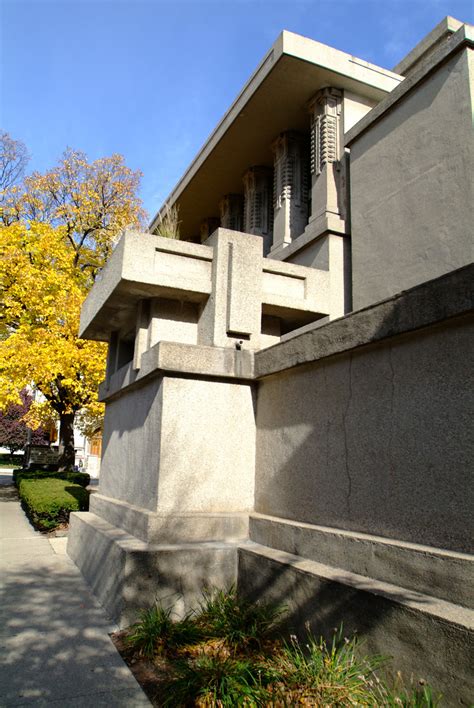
49	501
81	478
7	460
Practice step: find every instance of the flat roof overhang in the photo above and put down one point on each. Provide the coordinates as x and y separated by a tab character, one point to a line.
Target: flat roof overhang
274	99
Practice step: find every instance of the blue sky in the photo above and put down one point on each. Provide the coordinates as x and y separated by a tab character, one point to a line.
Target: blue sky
151	78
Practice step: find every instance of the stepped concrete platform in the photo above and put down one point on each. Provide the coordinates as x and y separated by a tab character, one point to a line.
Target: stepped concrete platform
446	574
126	574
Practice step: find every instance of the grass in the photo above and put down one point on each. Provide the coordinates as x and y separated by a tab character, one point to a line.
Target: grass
48	502
223	614
168	222
156	632
226	653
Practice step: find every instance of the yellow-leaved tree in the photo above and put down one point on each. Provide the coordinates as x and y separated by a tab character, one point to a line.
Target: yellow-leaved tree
57	232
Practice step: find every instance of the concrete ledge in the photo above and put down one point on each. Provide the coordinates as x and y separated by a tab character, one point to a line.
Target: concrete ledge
431	42
463	38
431	303
170	528
444	574
427	638
194	360
127	575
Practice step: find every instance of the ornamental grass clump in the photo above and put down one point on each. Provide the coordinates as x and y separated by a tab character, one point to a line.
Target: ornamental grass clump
241	623
227	654
209	680
318	673
157	633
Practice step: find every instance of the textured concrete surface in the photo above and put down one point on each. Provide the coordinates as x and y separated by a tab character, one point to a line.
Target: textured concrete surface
181	445
377	440
433	571
426	637
127	574
412	192
54	648
171	527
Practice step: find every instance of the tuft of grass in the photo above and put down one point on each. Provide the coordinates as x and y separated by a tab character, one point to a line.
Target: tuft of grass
157	633
329	674
241	623
217	681
168	222
414	696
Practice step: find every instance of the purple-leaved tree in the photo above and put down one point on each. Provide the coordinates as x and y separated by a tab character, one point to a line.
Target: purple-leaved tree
14	431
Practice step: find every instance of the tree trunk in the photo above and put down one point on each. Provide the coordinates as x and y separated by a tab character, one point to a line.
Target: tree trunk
66	441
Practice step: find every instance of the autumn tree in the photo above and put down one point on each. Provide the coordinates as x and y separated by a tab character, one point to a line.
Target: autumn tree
14	432
68	221
13	160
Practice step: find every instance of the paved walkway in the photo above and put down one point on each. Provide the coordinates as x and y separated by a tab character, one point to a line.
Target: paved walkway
54	643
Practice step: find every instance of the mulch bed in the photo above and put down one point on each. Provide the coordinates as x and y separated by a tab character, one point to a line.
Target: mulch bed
152	675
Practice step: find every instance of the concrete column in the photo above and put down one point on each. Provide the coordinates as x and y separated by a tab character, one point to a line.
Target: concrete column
326	154
233	310
258	204
291	188
232	212
112	356
141	335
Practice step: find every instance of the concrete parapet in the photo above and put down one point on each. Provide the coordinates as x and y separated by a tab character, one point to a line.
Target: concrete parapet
412	192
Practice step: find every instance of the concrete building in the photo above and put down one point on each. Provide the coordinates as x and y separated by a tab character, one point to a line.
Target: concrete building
288	401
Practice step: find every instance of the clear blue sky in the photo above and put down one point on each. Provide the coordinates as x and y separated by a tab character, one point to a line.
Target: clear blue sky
151	78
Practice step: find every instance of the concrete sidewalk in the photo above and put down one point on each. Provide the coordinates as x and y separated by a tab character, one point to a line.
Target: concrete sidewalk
54	643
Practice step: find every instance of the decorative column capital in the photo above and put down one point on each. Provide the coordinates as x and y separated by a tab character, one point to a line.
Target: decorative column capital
231	207
325	109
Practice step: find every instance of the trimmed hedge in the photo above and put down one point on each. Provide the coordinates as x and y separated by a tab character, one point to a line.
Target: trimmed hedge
48	502
81	478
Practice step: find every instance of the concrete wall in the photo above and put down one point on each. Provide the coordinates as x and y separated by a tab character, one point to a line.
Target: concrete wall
178	444
131	446
376	440
412	192
207	447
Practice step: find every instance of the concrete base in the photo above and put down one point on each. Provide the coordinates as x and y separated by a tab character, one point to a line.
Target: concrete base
434	571
153	527
127	575
427	638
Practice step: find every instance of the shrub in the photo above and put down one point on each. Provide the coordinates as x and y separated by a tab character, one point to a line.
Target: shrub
81	478
49	501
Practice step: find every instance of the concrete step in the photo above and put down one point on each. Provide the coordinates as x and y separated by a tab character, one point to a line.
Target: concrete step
433	571
427	638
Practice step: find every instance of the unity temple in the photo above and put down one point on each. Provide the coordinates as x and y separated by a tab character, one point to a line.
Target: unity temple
289	384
